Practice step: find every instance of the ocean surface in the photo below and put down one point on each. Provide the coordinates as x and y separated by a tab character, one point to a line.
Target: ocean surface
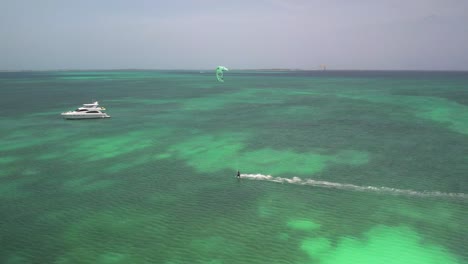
336	167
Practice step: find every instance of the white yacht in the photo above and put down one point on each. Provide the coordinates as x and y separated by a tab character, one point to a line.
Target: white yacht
87	111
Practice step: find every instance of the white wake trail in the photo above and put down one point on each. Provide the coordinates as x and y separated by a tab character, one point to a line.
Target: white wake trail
346	186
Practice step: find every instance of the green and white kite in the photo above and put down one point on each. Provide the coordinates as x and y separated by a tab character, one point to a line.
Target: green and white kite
220	73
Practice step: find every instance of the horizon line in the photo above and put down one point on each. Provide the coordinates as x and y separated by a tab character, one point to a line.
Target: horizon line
233	69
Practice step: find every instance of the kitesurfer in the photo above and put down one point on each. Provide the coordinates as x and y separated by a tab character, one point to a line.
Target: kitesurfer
238	174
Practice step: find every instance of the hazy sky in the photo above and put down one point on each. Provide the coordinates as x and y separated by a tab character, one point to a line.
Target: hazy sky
177	34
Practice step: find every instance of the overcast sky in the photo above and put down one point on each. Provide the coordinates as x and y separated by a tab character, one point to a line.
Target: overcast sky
239	34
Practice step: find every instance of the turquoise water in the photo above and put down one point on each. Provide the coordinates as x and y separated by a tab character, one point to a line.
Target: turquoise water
337	167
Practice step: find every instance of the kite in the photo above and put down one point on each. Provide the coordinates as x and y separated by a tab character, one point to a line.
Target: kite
220	73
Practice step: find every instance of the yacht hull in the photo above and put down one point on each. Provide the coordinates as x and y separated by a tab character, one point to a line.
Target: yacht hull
84	116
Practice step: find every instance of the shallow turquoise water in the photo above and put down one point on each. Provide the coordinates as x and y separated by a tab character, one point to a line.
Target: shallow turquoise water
381	160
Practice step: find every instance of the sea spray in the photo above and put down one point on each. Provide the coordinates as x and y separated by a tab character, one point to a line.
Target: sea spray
352	187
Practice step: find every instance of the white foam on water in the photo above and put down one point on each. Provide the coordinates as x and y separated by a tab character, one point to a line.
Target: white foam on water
347	186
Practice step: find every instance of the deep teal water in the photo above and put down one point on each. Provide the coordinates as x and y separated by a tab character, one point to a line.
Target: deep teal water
337	167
